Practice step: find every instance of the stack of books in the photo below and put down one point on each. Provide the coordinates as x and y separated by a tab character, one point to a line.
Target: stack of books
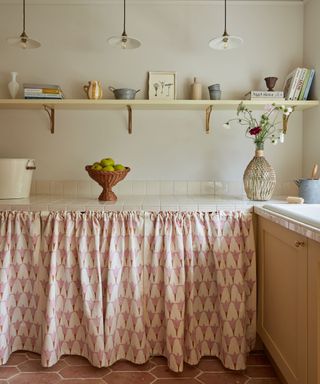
265	95
42	91
298	83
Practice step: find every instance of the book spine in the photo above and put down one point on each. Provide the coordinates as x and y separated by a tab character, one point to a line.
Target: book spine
41	91
269	99
43	96
305	83
294	84
299	83
41	86
305	96
271	94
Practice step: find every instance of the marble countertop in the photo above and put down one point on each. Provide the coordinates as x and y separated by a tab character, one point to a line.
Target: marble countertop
303	229
205	203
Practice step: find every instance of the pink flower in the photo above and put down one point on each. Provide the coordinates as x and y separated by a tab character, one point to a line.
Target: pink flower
255	131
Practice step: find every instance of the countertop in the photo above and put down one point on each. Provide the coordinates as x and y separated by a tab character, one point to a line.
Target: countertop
205	203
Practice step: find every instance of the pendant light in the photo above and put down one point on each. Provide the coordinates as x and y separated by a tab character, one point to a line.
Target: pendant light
23	41
124	41
225	41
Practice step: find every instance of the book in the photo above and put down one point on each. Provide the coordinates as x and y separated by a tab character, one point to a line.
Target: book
45	96
299	83
41	86
264	95
305	83
291	83
307	90
41	90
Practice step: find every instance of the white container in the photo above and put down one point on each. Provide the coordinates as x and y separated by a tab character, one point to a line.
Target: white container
15	178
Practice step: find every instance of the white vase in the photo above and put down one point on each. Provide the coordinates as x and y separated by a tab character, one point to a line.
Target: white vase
13	86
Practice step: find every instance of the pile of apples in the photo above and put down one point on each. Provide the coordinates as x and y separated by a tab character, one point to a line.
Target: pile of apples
107	165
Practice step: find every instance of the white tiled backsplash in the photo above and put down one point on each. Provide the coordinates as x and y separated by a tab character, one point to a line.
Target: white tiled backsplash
127	187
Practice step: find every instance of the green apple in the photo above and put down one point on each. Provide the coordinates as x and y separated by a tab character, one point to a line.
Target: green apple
107	161
119	167
96	167
108	168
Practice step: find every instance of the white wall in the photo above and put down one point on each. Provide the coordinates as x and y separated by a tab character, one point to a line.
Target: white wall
311	133
165	145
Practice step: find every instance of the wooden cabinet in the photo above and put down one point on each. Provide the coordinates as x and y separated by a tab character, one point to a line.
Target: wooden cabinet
313	312
283	299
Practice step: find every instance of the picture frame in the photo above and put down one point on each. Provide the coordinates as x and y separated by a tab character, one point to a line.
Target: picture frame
162	85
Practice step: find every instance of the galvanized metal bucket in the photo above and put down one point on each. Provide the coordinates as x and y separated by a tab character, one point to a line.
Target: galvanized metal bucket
309	190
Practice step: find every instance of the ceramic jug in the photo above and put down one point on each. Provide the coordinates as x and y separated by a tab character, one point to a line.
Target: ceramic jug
93	90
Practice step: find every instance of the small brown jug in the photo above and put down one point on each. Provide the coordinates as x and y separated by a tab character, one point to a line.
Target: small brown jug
93	90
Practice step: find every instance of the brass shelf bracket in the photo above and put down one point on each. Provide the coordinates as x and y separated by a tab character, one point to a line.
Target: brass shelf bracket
285	119
129	119
208	115
51	113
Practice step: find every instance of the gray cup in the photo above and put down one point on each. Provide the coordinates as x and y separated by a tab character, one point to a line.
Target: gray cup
309	190
214	92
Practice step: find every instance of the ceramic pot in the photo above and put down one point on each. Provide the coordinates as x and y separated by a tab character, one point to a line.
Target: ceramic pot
13	85
259	178
93	90
214	92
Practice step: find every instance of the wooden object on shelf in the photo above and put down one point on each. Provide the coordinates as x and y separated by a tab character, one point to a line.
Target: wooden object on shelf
197	105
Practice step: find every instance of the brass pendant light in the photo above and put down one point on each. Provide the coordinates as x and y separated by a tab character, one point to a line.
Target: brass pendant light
225	41
124	41
23	41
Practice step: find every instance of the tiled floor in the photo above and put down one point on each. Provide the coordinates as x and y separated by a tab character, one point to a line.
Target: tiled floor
25	368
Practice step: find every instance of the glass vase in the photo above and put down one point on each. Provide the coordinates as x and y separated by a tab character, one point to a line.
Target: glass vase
259	177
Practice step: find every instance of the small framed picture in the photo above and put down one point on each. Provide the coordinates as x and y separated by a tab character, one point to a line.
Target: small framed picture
162	85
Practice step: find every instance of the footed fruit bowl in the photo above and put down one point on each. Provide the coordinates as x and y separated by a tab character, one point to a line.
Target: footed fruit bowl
107	180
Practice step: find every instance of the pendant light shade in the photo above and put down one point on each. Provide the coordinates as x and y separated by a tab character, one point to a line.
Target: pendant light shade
124	41
225	41
23	41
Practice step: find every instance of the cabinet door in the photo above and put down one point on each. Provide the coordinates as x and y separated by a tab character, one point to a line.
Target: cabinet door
282	298
313	312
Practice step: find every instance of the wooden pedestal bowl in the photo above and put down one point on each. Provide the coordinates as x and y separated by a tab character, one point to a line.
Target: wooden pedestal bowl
107	180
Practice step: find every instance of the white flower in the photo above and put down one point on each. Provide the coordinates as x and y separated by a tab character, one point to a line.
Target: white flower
288	111
226	126
281	137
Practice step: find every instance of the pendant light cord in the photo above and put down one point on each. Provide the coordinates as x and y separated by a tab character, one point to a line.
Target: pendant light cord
124	18
225	17
24	16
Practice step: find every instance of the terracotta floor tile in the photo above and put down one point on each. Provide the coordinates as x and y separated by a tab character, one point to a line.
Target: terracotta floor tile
211	365
33	355
75	360
163	371
82	381
83	372
35	366
127	366
159	360
17	358
37	378
254	371
264	381
223	378
7	372
185	380
128	378
257	359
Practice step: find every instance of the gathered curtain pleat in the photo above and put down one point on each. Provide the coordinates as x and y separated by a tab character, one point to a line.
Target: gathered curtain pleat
128	285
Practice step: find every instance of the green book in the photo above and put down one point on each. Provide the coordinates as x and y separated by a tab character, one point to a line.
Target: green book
304	86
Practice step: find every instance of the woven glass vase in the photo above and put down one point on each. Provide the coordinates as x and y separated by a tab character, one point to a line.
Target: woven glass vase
259	178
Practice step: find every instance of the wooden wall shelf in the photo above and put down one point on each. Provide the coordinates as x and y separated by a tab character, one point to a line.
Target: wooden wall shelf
50	106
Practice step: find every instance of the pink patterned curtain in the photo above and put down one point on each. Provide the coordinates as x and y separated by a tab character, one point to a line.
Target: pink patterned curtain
129	285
